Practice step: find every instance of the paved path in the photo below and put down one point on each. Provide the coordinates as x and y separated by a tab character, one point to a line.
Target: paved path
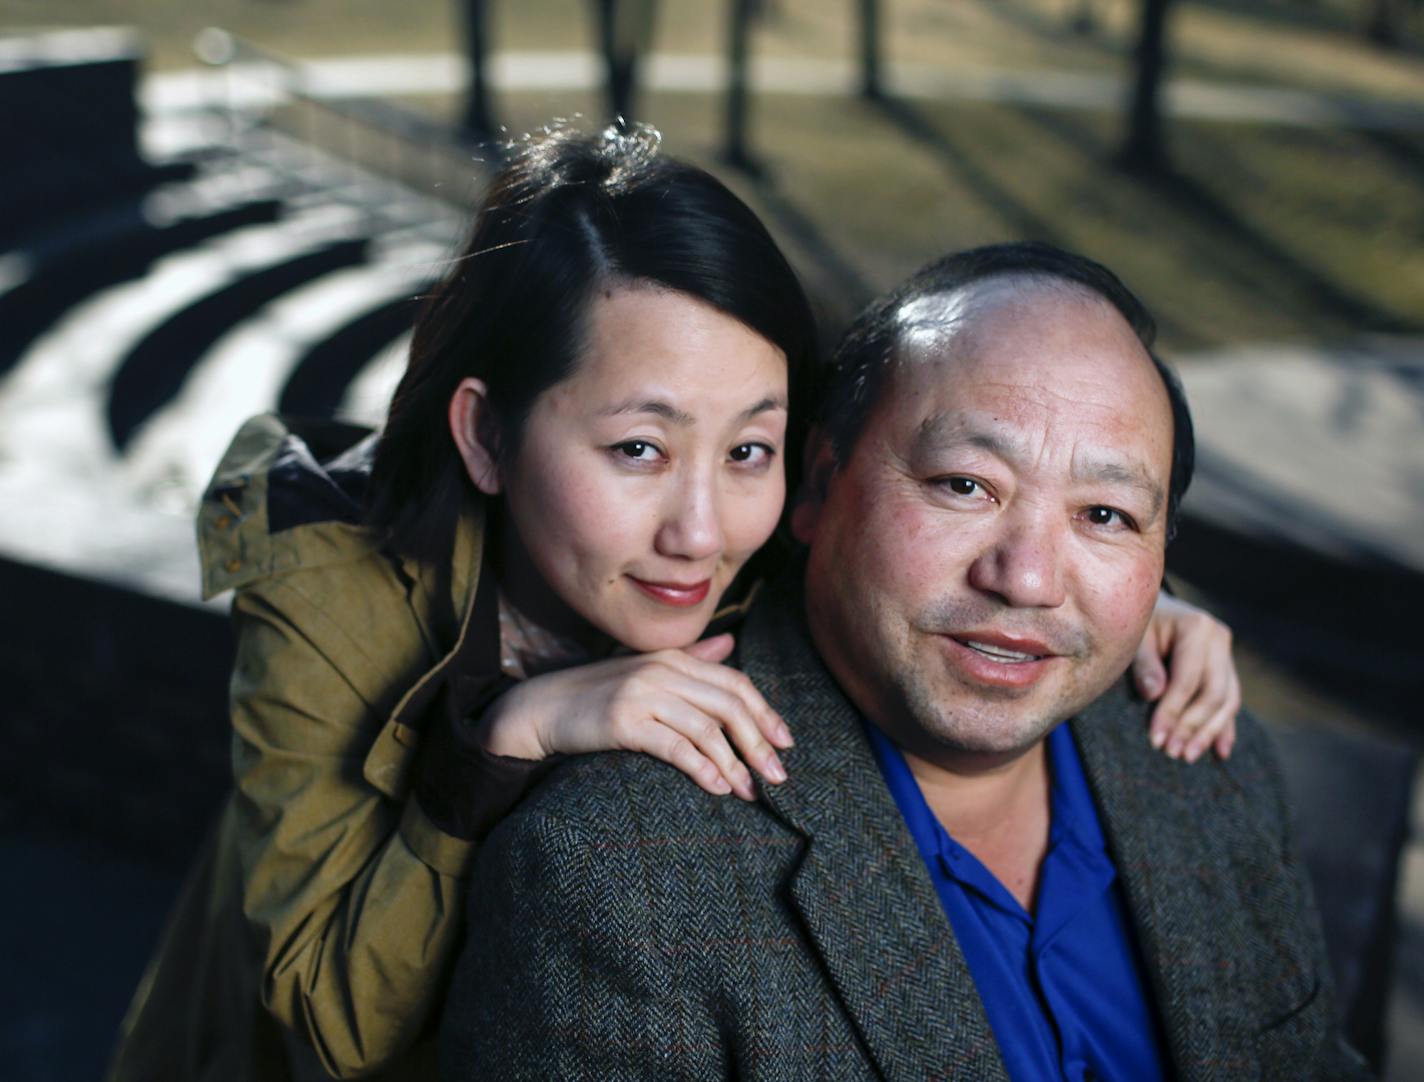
443	73
1318	445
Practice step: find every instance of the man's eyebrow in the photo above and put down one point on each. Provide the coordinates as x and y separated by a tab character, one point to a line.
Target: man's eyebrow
666	410
940	431
1120	473
943	430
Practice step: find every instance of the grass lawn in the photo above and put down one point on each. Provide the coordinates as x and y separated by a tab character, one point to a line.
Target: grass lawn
1311	43
1267	232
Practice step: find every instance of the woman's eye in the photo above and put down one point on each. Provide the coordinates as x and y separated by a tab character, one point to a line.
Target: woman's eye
755	453
637	450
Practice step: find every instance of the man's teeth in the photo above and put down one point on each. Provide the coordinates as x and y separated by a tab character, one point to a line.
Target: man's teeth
998	653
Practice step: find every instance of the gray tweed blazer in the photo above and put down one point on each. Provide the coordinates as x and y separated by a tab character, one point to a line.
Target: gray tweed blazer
625	925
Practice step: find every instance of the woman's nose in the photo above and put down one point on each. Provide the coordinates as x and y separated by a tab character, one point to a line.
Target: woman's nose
691	527
1023	564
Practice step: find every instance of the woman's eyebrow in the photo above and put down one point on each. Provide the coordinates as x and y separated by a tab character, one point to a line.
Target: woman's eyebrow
650	405
770	402
659	408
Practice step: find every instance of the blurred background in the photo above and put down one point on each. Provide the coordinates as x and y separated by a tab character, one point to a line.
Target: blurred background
209	208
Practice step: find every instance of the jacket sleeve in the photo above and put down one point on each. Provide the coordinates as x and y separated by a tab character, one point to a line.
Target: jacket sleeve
565	973
353	899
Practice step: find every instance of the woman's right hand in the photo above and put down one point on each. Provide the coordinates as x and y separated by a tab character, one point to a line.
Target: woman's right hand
680	706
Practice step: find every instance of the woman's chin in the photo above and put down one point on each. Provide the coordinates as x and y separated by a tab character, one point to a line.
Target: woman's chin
647	640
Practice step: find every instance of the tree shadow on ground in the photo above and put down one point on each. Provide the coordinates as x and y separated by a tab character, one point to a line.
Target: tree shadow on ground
1052	27
1406	152
1019	220
843	290
1224	240
1293	13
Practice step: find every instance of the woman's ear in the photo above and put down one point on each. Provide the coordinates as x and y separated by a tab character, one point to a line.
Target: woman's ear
819	464
476	433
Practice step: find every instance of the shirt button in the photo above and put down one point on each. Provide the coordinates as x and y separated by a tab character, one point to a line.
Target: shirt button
224	521
234	565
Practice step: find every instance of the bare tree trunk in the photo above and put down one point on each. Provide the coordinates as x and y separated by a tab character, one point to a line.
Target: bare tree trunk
1084	19
1144	149
625	34
478	120
870	84
738	35
1382	23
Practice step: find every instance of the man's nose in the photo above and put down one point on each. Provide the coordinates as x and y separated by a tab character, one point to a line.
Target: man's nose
1023	563
691	527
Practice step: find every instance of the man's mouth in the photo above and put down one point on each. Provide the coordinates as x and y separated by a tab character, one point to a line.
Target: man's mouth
998	659
1000	653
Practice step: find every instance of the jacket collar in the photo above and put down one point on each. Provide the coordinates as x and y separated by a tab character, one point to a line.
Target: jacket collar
1172	829
861	887
457	602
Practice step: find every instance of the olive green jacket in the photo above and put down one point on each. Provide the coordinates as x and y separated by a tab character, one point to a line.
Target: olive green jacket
318	927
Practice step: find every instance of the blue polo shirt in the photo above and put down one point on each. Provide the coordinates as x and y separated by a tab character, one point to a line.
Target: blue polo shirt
1063	987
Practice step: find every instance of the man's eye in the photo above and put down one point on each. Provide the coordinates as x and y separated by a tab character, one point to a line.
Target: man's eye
961	486
1109	516
755	453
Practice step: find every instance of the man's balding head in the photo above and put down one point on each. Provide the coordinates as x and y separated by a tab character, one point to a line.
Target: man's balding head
990	504
935	301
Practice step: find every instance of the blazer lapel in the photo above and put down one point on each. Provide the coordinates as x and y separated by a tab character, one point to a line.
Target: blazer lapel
1161	822
861	888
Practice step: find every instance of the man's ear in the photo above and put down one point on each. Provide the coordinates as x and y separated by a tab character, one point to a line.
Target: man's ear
819	463
476	433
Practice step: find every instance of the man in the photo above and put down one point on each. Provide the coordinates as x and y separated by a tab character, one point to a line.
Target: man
952	883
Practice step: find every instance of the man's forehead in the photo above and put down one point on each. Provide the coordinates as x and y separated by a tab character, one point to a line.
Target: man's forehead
926	324
1020	319
1024	349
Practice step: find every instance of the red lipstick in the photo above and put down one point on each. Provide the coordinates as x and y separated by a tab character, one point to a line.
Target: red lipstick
680	594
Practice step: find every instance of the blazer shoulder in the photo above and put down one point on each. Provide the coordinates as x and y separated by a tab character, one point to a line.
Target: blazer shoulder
631	806
615	792
1254	768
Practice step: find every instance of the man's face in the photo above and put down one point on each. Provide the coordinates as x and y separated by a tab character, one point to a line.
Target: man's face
984	563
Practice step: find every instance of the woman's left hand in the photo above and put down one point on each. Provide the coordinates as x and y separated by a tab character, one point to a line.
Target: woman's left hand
1184	664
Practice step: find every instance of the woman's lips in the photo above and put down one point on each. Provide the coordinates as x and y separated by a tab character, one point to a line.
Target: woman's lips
682	595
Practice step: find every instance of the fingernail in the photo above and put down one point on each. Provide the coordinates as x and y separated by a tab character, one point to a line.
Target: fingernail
1174	749
1193	754
773	770
1152	684
1159	737
787	740
721	785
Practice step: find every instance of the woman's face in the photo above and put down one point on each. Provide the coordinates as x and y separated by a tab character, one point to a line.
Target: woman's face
644	481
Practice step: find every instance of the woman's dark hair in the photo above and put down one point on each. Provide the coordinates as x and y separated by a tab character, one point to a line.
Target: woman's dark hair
852	383
569	215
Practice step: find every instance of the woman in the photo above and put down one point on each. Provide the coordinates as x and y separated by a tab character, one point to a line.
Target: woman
585	454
